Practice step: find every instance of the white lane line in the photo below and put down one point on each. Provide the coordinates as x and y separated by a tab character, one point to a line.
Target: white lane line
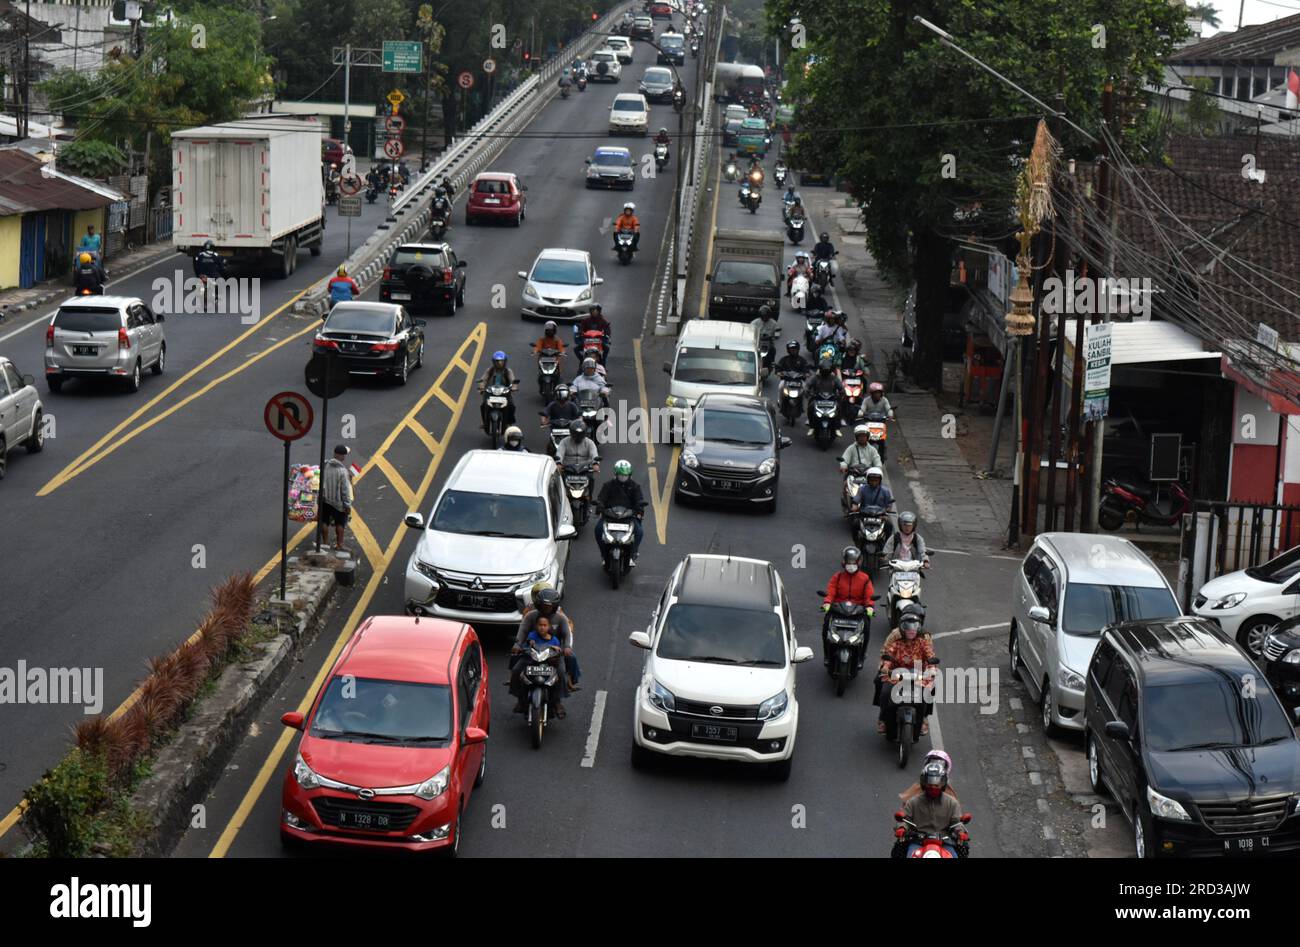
982	555
593	735
967	631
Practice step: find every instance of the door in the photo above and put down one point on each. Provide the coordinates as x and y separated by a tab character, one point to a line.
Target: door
473	713
561	515
1023	598
140	331
29	250
21	407
1042	636
1126	760
409	337
8	407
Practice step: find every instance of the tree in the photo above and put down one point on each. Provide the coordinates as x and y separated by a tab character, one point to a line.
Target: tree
92	159
1206	13
926	139
1203	116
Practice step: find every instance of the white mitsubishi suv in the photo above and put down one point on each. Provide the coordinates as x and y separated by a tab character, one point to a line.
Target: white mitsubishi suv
719	676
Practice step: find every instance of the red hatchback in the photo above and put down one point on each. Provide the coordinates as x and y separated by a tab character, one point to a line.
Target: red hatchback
496	195
394	742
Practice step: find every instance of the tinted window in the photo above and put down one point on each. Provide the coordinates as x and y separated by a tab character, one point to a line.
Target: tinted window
658	76
492	187
718	635
1089	608
374	711
670	42
1120	676
360	320
1126	709
1031	564
628	105
568	272
490	514
1211	711
603	57
1282	569
404	256
732	427
736	272
715	367
1044	585
1103	662
87	319
617	158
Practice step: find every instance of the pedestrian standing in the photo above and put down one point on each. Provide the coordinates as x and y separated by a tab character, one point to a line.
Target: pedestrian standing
336	496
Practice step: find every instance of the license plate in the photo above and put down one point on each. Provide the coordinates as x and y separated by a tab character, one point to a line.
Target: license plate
709	731
496	402
465	600
402	296
492	200
85	350
724	485
363	820
1247	846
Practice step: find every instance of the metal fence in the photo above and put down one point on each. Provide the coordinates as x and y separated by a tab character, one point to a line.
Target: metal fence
1224	537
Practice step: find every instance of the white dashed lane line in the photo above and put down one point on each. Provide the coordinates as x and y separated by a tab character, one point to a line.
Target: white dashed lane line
593	735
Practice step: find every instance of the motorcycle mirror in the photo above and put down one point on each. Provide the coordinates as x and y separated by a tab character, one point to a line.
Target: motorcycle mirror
965	817
899	815
821	593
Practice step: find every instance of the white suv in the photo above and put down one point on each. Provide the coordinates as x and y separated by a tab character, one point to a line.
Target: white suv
622	47
605	66
501	523
719	677
629	113
20	413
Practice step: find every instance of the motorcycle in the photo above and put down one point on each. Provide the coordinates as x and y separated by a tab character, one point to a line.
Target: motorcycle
372	192
855	384
393	191
548	366
558	431
564	91
541	675
498	405
582	83
826	419
623	246
1119	495
813	320
828	350
855	478
767	354
848	633
592	345
934	846
404	173
904	586
799	293
331	190
731	173
779	173
751	197
792	385
871	530
679	100
695	48
618	534
756	177
661	155
822	273
876	421
590	404
905	691
794	230
577	480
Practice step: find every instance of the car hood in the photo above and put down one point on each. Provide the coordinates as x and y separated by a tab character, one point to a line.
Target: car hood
656	86
740	456
373	765
1076	652
634	117
619	169
1238	581
707	683
558	290
484	555
1228	775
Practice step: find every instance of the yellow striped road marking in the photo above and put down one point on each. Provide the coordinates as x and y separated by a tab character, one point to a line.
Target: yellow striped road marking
365	539
274	759
659	498
396	480
418	430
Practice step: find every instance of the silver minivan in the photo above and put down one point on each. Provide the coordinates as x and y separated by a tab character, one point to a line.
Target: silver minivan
1068	588
20	413
115	337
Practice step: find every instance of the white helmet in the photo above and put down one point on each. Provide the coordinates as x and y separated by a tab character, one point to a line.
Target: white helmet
875	472
860	430
629	206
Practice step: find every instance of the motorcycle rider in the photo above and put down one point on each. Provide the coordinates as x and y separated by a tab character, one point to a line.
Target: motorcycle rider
444	188
911	648
343	288
551	344
933	810
579	449
565	82
590	379
90	274
832	330
767	327
876	401
625	492
851	585
545	634
207	262
875	493
907	542
798	267
498	375
661	137
546	603
824	384
514	440
825	250
627	222
860	452
853	359
792	361
594	321
563	408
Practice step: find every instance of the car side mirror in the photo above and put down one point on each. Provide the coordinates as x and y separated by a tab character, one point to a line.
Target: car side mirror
462	264
1041	613
420	322
567	531
292	719
598	281
802	655
414	520
1118	729
783	443
28	380
474	735
639	639
523	275
586	161
708	277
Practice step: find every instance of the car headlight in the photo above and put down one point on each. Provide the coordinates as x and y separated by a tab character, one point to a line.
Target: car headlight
1230	601
773	707
593	173
306	777
689	459
717	299
1292	657
542	575
435	785
1295	809
1070	679
661	696
426	570
1162	807
584	296
767	467
629	174
531	291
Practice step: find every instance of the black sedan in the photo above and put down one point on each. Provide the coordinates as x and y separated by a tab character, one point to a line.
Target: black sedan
1282	661
424	277
372	339
657	85
729	452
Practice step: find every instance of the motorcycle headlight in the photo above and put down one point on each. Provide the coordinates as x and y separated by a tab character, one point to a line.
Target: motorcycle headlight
774	706
435	785
767	467
1230	601
1162	807
1292	657
689	459
833	635
306	777
583	296
1071	679
531	291
717	299
660	696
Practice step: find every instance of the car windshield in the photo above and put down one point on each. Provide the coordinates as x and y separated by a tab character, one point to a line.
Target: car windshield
1282	569
628	105
658	76
715	367
566	272
1089	608
87	319
670	42
359	320
619	159
367	710
491	514
716	635
405	256
736	111
733	272
1210	712
731	427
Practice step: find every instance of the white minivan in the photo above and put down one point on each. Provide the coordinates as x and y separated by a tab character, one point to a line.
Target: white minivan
712	355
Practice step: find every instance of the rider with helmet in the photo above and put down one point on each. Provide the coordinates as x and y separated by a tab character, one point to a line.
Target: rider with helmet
861	452
833	330
593	321
876	401
514	440
907	542
551	344
498	375
625	492
823	249
661	137
546	601
577	449
207	262
875	493
627	222
590	378
799	266
933	810
824	384
343	288
563	408
90	274
853	359
851	585
908	650
792	361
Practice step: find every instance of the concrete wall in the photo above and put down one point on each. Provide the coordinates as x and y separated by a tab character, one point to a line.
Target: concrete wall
83	25
11	234
84	218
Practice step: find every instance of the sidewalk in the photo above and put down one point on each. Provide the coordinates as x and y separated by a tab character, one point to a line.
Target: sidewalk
14	301
940	447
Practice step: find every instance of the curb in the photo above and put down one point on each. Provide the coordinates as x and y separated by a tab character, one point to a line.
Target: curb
190	764
47	296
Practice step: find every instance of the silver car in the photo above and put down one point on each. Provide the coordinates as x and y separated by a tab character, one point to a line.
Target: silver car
20	413
1068	588
115	337
561	285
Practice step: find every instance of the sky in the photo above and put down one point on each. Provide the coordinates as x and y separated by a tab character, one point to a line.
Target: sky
1256	11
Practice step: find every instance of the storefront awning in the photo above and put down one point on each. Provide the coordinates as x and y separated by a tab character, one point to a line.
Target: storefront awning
1280	390
1141	343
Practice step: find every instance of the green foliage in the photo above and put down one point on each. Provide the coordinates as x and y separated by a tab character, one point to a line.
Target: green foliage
62	808
1207	13
92	158
1202	117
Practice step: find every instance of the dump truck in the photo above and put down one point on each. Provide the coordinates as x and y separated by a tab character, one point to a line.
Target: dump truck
746	273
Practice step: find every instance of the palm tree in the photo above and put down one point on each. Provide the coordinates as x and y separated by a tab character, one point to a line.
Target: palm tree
1206	13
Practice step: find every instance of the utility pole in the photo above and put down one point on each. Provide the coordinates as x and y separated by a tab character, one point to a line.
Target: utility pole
27	71
1097	429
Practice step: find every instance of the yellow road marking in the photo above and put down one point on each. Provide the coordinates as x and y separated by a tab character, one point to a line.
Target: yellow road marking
418	430
365	539
396	480
446	398
273	761
659	499
94	455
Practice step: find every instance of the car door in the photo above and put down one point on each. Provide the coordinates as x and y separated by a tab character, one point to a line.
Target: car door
1126	769
474	712
22	406
408	335
8	408
140	328
561	515
1022	601
1098	710
1047	592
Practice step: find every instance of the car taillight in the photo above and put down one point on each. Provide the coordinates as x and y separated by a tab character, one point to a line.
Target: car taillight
388	272
49	334
123	341
384	347
326	343
446	274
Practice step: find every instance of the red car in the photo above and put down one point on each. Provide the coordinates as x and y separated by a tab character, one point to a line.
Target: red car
496	195
661	11
332	151
394	742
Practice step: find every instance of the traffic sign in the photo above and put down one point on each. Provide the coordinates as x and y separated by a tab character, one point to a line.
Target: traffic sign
288	415
403	56
394	148
350	184
325	377
350	206
395	124
465	80
489	66
395	97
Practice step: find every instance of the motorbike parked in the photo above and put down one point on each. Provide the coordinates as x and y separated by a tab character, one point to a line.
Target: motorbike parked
794	230
623	246
905	693
792	385
548	368
619	535
661	155
933	846
877	429
826	419
904	586
498	405
577	480
541	675
1122	495
870	531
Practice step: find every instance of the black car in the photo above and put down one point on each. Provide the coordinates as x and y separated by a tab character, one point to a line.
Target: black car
729	452
424	277
657	85
643	28
1282	661
1194	746
372	339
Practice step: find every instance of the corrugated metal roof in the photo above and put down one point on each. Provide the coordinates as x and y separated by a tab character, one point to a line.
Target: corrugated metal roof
1260	42
22	183
251	127
1141	343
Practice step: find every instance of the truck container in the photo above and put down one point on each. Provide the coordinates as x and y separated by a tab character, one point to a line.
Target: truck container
746	273
737	82
253	187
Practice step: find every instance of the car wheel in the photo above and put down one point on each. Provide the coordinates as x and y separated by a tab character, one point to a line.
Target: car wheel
482	769
36	442
1047	711
780	772
1013	652
1253	631
451	305
454	850
1094	764
54	383
1142	828
159	365
133	383
460	295
518	219
404	372
419	355
4	457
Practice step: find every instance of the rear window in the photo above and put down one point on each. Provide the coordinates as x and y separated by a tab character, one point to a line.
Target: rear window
359	320
1089	608
735	272
405	256
492	187
88	319
658	75
603	57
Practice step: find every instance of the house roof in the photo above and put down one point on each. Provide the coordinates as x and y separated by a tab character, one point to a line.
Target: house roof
1142	343
23	184
1259	43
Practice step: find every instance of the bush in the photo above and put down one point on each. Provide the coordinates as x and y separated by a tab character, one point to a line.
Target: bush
92	159
61	809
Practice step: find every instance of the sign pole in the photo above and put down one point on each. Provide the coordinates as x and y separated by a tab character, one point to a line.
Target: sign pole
284	525
324	433
288	416
347	90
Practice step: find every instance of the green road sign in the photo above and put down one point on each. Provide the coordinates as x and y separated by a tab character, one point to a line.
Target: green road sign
403	56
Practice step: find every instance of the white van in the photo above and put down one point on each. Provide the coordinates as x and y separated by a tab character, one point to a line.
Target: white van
713	355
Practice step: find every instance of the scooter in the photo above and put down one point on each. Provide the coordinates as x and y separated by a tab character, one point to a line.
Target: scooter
756	177
826	419
498	404
372	192
590	404
564	91
1119	496
799	293
794	230
779	173
679	100
792	385
581	83
767	353
956	839
623	246
661	155
871	530
751	197
855	478
618	533
591	345
813	319
731	173
822	272
695	48
905	691
548	367
877	429
847	632
855	383
577	480
904	586
541	675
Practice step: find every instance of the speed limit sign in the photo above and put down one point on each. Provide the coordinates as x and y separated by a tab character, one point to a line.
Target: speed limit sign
465	80
393	148
489	66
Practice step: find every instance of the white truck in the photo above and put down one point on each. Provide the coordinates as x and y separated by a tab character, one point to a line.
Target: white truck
253	187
